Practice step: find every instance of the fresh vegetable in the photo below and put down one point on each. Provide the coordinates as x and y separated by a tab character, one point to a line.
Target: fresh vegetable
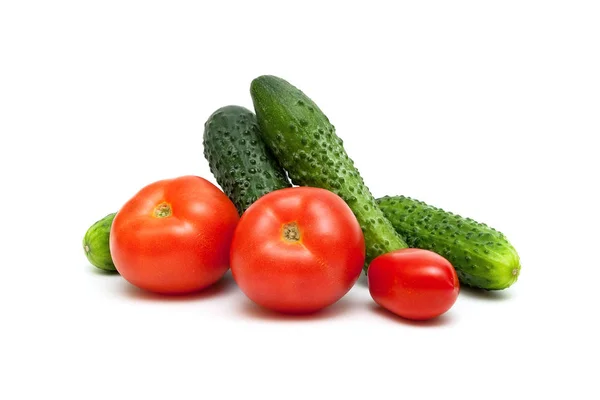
240	161
174	235
482	256
95	244
306	145
413	283
297	250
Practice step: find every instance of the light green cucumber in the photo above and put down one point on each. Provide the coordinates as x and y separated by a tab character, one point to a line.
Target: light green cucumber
96	244
306	145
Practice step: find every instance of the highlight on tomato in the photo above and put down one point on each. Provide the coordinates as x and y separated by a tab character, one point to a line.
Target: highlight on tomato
297	250
174	236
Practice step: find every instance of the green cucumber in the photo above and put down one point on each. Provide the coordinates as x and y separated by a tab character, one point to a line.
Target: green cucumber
240	161
482	256
96	244
306	145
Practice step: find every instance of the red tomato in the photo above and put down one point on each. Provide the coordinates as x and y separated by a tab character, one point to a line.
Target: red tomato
413	283
297	250
174	236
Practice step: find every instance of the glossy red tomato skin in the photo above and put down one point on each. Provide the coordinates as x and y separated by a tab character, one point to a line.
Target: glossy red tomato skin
413	283
304	276
181	253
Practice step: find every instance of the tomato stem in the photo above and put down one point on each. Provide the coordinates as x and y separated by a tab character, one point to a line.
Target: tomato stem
162	210
291	232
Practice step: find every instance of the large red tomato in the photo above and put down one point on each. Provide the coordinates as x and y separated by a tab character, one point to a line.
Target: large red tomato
413	283
174	236
297	250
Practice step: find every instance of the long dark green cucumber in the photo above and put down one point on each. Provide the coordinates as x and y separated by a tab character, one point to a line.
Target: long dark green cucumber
240	161
306	145
482	256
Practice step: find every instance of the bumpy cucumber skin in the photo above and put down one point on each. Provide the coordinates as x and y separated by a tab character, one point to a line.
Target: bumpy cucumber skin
306	145
96	244
482	256
239	159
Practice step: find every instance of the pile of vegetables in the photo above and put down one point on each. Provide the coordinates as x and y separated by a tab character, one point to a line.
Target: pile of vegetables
295	222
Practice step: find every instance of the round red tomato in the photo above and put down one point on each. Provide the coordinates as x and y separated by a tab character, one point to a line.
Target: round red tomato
174	236
413	283
297	250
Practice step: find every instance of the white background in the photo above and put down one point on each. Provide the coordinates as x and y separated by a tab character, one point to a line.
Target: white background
487	109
